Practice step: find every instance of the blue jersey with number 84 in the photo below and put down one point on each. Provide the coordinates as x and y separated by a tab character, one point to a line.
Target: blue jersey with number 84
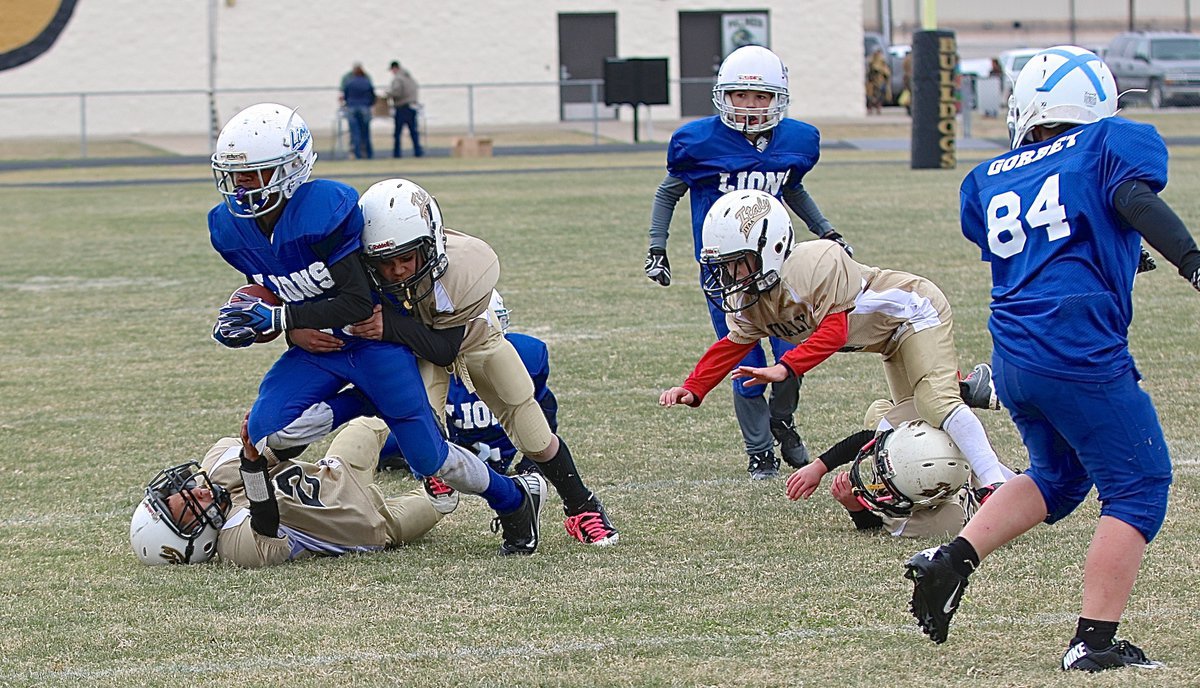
1062	259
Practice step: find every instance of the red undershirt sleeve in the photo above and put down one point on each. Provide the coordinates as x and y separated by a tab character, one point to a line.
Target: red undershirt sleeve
713	366
825	341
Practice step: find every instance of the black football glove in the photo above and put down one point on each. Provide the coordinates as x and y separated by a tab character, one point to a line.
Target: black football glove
657	267
1196	279
1146	262
837	238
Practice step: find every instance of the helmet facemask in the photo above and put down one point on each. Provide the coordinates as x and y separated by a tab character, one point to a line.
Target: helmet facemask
189	516
750	120
735	282
868	477
408	292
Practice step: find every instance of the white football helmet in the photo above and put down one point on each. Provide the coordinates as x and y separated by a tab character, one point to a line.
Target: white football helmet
399	217
1060	85
915	466
176	523
751	68
271	141
746	237
496	307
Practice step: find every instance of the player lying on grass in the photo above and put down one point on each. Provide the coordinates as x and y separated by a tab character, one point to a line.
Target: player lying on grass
294	510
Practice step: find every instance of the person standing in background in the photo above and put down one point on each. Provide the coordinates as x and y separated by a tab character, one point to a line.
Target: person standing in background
358	95
403	94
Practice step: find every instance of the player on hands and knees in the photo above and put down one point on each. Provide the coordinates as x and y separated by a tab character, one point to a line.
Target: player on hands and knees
1061	219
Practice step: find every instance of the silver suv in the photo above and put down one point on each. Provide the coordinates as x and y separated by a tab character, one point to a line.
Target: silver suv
1165	64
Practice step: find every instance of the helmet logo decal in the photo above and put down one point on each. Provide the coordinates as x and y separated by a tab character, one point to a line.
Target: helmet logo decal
749	77
420	199
172	555
300	137
377	246
1072	63
937	490
749	215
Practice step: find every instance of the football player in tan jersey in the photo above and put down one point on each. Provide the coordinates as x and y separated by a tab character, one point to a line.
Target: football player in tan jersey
327	508
814	295
444	279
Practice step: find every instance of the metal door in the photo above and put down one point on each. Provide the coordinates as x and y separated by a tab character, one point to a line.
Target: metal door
584	40
699	59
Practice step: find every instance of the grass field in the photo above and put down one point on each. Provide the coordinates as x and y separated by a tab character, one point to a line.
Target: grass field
108	290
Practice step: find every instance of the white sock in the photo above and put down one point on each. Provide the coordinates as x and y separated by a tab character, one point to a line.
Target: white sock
464	471
967	432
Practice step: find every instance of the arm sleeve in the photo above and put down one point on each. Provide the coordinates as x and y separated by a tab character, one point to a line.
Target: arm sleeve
845	451
830	336
801	202
665	199
866	520
1151	217
713	366
439	347
350	304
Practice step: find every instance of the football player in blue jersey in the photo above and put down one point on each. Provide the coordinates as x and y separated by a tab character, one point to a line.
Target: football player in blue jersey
1060	218
750	144
300	238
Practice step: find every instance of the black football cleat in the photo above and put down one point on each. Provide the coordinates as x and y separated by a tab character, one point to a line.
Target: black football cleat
937	590
1122	653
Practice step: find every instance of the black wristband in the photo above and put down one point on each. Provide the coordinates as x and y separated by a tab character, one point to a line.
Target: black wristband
264	510
865	519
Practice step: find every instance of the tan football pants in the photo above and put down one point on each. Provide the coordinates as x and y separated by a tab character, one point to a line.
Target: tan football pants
494	371
925	368
408	516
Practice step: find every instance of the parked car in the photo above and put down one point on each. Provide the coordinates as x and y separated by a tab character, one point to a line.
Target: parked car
1166	64
1011	62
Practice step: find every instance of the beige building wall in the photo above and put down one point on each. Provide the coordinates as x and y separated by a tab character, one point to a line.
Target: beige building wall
296	51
